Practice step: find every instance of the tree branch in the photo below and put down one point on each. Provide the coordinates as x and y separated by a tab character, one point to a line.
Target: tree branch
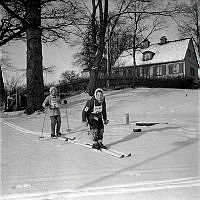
12	13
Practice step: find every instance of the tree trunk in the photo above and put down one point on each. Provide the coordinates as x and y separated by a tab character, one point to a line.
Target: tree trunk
103	19
94	72
34	71
92	82
134	50
2	90
197	27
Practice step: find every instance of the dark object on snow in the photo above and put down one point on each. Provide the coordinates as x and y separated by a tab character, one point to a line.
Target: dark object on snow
68	138
65	101
127	118
137	130
148	123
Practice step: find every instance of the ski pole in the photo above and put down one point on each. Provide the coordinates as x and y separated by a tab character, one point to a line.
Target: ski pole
68	129
41	136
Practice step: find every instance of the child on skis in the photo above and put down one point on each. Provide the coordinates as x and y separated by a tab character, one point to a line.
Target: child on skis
94	113
52	103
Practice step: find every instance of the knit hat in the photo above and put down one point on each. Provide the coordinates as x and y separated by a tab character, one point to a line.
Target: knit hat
98	90
52	88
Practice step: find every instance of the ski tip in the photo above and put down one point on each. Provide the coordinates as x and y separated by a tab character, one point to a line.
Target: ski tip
67	138
129	155
122	156
72	138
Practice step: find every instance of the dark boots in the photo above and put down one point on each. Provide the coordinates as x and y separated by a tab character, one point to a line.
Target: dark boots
98	146
102	146
56	135
59	134
53	136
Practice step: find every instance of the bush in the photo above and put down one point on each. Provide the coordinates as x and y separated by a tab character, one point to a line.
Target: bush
177	82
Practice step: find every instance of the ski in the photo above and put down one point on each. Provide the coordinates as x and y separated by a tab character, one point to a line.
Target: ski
118	152
115	151
65	138
89	146
108	151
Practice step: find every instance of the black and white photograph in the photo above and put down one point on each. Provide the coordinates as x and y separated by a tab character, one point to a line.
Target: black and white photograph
100	99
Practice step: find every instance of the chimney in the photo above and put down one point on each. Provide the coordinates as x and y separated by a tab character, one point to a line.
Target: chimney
163	40
145	44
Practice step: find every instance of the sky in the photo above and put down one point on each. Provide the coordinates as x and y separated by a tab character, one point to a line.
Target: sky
60	55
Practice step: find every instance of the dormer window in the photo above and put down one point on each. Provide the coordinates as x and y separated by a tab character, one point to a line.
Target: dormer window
163	40
145	44
147	55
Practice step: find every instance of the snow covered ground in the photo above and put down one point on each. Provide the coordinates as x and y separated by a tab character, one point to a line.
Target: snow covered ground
164	163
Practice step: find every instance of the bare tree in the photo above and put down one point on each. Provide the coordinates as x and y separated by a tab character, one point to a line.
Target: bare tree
103	23
4	64
56	18
13	82
141	25
35	21
69	75
98	39
2	89
188	21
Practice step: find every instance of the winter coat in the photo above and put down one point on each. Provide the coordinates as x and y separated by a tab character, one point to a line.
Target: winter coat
94	110
53	103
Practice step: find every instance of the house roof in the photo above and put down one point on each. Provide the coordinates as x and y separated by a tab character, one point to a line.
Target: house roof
170	52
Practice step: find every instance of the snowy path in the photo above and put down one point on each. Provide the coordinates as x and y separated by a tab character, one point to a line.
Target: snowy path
96	192
165	162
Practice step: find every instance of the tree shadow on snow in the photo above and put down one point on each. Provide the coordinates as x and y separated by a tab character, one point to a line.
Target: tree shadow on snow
178	147
134	135
186	142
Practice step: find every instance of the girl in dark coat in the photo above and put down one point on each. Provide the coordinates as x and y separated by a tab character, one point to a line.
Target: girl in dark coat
94	114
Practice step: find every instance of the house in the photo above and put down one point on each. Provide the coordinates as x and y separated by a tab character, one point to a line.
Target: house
163	60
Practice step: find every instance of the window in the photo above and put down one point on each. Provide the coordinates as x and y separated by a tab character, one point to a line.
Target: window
180	67
125	70
163	69
192	71
138	71
121	71
148	55
130	71
154	71
159	70
175	68
146	72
